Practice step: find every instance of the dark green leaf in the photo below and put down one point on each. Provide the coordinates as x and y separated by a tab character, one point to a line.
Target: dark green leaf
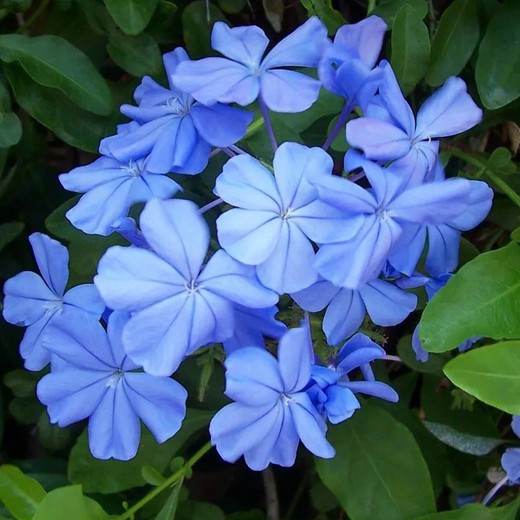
388	9
151	475
432	366
376	458
197	27
138	55
162	25
51	436
323	9
410	48
170	507
55	111
515	235
498	63
454	41
9	231
472	444
112	476
131	15
19	493
68	503
53	62
491	374
480	300
478	512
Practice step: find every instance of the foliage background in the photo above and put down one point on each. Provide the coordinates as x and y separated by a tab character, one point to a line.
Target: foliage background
65	68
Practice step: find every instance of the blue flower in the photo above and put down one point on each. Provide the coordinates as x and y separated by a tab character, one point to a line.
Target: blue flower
511	458
34	301
271	412
331	388
243	75
385	303
110	189
278	215
384	210
390	131
172	130
251	325
177	306
347	66
96	379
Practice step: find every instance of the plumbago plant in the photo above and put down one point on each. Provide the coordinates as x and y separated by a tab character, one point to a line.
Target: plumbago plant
237	279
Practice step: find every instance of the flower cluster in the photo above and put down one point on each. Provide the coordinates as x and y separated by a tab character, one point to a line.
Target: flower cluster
349	245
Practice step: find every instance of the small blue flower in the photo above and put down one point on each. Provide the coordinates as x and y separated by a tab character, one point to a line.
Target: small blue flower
511	458
243	75
278	215
170	129
110	189
331	389
34	301
271	412
95	379
177	305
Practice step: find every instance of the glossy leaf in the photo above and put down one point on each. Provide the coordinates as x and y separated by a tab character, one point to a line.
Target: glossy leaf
454	41
410	48
376	460
132	16
480	300
9	231
491	374
19	493
53	62
388	9
498	64
323	9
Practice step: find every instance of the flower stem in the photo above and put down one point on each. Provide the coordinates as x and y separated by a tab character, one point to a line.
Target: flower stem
211	205
36	14
483	169
371	6
389	357
342	119
493	491
170	481
267	122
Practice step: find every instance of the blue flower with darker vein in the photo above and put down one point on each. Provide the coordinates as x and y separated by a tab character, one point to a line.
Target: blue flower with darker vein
35	301
172	131
94	378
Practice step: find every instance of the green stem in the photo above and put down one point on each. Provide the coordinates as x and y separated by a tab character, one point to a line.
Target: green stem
483	169
371	6
37	12
170	481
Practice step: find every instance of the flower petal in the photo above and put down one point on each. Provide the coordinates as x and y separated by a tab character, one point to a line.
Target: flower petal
344	316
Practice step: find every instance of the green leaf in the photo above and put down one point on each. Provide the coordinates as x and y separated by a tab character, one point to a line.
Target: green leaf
19	493
51	436
138	55
9	231
323	9
197	27
54	110
10	129
53	62
472	444
169	509
131	15
112	476
515	235
498	63
410	48
151	475
478	512
491	374
67	503
480	300
454	41
388	9
376	459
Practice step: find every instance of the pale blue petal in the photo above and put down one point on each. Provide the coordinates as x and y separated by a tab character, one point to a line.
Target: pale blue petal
178	233
344	316
386	304
160	402
150	185
480	200
150	278
253	377
406	252
85	297
511	463
72	394
515	425
417	164
341	404
443	249
27	298
449	111
420	354
316	297
375	389
243	44
302	48
53	261
116	322
220	125
171	61
295	356
31	348
245	183
234	281
288	91
285	447
114	429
